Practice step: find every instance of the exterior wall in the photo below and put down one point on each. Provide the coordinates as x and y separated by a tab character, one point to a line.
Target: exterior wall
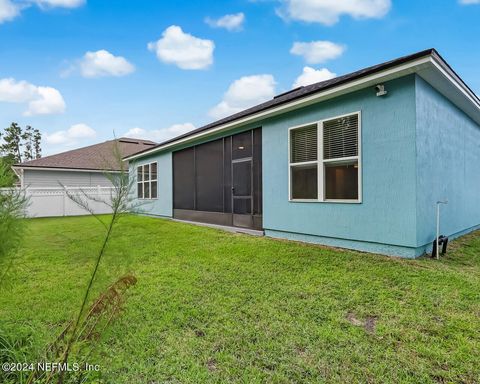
163	204
53	179
385	220
448	161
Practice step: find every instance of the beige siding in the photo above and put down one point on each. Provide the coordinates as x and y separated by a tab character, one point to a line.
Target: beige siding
52	179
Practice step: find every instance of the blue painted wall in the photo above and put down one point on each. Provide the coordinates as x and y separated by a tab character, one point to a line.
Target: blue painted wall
385	220
448	166
162	206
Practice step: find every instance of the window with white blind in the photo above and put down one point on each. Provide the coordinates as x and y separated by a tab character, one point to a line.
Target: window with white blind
147	183
324	160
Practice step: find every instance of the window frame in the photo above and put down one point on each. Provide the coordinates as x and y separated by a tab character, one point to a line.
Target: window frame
148	182
320	162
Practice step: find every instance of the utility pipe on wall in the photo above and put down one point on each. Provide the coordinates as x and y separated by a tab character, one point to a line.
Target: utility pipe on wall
438	225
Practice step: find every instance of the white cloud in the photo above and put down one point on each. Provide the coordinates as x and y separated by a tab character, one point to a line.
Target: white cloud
59	3
317	51
467	2
8	10
72	136
232	22
50	101
136	133
182	49
244	93
328	12
160	135
311	75
103	63
16	91
41	100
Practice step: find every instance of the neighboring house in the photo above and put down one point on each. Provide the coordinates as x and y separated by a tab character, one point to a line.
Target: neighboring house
358	161
82	167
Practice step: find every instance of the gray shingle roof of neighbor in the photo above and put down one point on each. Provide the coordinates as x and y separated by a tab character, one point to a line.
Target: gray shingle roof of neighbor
299	93
99	157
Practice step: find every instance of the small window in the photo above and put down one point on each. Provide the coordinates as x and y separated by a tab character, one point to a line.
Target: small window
340	137
341	181
303	163
304	181
304	144
147	183
326	169
146	172
340	158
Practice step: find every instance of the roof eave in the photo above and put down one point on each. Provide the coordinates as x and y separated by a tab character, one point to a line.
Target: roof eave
47	168
351	86
421	64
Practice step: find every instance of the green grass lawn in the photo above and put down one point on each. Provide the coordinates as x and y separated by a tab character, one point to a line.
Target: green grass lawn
216	307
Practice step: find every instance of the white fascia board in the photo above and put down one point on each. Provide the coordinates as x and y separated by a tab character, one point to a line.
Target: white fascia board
457	82
63	169
445	82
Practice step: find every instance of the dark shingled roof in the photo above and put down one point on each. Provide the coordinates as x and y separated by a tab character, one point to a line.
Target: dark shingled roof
302	92
95	157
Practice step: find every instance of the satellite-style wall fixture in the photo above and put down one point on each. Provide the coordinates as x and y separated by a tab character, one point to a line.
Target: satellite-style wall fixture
380	88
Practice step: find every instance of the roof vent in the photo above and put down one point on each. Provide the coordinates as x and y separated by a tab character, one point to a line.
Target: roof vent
133	141
288	92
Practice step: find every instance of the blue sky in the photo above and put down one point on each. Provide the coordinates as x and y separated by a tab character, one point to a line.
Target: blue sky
79	70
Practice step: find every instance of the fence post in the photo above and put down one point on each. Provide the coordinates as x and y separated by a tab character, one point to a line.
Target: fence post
64	201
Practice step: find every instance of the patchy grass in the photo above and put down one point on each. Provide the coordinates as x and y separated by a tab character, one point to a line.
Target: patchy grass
216	307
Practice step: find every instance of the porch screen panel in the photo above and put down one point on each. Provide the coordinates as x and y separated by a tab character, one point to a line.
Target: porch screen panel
219	178
209	176
257	171
242	145
227	174
184	179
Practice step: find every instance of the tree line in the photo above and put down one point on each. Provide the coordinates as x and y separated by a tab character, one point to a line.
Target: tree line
18	145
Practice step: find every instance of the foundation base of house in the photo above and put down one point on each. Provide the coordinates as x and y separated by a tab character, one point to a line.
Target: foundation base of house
363	246
227	228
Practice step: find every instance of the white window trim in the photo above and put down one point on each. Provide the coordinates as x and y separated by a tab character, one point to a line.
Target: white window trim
143	182
320	162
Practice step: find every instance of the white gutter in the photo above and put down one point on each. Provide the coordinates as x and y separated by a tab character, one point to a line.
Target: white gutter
61	169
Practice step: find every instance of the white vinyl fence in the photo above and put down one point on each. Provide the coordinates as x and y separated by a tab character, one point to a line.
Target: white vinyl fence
54	202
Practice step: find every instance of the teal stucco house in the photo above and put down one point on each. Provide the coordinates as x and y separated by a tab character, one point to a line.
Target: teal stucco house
357	162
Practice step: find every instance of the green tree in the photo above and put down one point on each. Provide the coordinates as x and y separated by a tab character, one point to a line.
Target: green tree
27	137
18	145
8	177
12	142
37	141
21	144
12	209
